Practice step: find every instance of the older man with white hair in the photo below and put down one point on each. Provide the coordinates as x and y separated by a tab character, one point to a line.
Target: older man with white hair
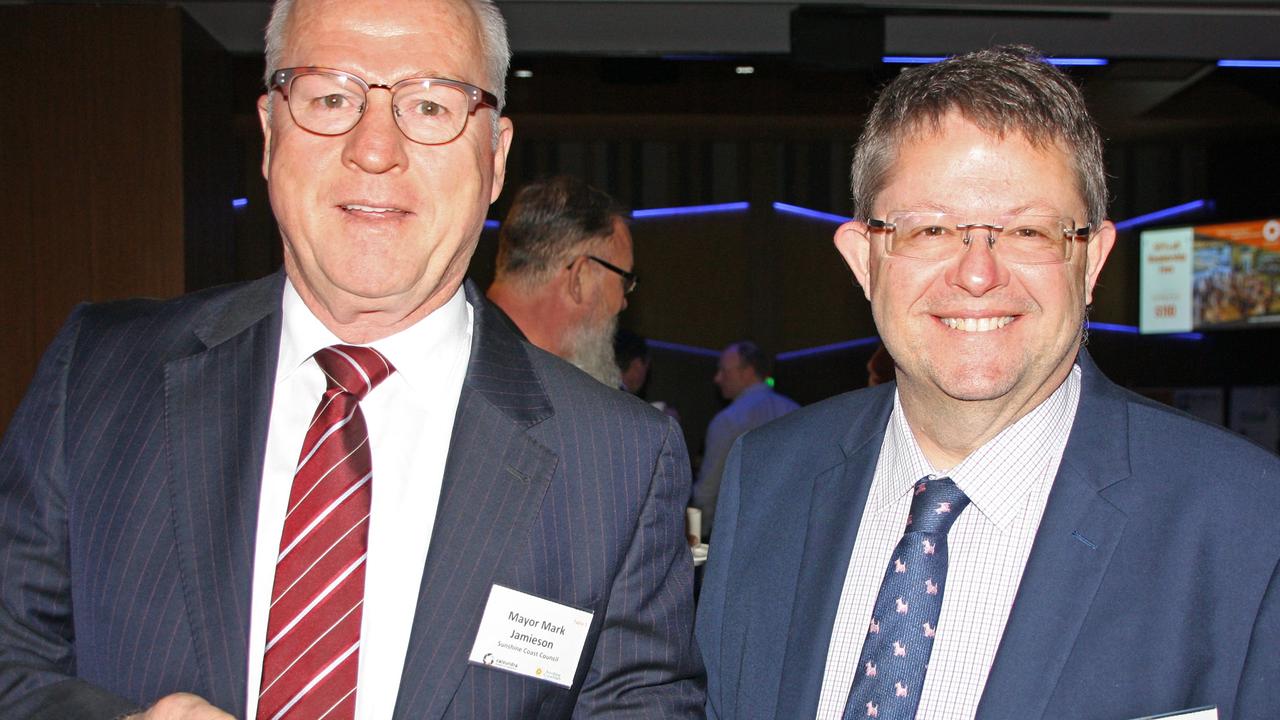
348	490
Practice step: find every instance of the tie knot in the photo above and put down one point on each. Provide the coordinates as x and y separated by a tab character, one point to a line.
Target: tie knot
353	369
935	505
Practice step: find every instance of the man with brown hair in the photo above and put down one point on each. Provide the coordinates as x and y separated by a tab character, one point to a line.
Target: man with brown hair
1003	533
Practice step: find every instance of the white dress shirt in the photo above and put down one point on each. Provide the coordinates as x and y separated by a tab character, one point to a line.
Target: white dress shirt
410	419
1007	481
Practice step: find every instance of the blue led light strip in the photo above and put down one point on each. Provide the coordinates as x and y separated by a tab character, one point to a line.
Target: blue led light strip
1078	62
1131	330
1165	214
928	59
1113	327
806	212
1271	64
833	347
911	59
680	348
690	210
240	202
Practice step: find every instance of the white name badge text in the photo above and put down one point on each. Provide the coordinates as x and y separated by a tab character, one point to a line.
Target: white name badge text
531	636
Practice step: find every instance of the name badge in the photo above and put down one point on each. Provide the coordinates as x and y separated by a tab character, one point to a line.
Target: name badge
531	636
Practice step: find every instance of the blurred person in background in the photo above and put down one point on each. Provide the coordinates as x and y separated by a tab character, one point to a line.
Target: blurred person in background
631	353
880	367
742	376
564	271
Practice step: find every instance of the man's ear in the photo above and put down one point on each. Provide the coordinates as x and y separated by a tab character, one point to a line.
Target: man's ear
854	244
1096	252
505	131
575	283
264	117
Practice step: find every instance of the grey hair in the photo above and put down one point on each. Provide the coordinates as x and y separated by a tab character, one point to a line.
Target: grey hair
550	222
1002	90
493	37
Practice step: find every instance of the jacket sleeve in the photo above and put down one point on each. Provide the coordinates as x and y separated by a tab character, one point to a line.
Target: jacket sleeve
37	637
711	604
646	664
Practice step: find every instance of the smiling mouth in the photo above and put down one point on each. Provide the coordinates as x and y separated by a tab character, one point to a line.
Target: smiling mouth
979	325
372	209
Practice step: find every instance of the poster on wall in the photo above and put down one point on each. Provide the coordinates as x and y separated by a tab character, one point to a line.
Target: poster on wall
1210	276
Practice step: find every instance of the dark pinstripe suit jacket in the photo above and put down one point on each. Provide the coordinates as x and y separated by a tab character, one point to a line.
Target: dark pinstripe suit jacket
128	500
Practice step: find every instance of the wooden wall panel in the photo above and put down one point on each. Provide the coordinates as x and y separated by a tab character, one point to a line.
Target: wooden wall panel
91	171
694	286
820	301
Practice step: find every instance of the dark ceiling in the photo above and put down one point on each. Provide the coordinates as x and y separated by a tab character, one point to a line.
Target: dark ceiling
618	57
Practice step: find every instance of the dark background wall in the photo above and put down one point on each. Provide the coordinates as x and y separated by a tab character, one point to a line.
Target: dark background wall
92	168
138	129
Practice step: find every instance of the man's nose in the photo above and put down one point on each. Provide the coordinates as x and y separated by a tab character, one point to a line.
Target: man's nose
376	144
979	270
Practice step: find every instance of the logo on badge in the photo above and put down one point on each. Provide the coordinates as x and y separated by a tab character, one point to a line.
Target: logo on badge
487	659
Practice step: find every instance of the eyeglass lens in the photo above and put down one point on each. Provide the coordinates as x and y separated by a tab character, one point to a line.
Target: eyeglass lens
1027	239
427	111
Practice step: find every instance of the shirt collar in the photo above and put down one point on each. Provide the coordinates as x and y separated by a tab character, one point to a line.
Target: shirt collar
757	387
416	351
901	463
997	476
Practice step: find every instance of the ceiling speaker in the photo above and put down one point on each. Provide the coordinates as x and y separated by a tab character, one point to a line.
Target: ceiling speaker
837	38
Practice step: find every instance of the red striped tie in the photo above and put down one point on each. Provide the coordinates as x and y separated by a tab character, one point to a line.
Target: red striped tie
313	629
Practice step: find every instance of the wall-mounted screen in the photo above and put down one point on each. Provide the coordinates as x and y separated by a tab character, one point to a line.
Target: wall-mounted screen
1207	277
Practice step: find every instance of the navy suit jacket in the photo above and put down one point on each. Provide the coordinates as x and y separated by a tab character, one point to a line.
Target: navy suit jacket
1151	585
129	483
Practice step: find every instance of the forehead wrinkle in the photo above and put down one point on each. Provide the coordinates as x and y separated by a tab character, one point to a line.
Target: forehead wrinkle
381	30
1034	207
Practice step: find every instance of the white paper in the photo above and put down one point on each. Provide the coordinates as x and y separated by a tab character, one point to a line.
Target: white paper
531	636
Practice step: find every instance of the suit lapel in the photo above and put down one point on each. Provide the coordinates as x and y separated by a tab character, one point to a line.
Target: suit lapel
835	509
217	407
1073	547
495	478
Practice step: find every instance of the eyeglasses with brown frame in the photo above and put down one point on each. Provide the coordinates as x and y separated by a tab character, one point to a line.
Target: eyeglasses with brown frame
429	111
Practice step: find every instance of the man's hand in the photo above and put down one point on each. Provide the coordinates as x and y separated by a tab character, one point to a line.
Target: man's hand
181	706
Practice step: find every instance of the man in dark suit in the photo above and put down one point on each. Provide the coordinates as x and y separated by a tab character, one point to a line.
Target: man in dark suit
473	528
1003	533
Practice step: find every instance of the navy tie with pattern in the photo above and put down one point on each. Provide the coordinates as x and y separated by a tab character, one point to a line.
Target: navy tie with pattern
895	655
